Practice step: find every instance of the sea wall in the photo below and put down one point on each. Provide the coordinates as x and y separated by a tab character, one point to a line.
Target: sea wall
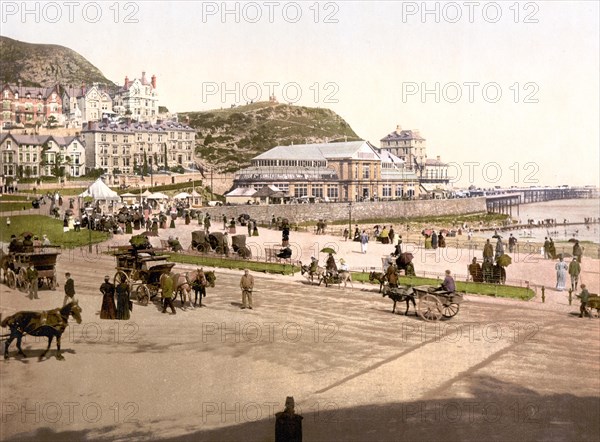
299	213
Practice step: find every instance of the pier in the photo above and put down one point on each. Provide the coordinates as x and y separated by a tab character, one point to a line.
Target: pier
503	201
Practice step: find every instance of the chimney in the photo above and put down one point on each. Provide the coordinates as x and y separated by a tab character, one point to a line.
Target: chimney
438	158
126	85
82	88
398	129
144	77
154	82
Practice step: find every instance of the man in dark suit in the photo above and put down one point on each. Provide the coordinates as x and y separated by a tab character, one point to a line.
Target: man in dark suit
69	289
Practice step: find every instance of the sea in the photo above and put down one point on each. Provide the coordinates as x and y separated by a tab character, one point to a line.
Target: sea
573	210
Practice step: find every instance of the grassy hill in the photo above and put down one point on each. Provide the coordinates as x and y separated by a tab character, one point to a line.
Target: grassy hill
44	65
229	138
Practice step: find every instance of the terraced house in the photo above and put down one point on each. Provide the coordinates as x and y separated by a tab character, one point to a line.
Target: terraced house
125	147
34	156
24	105
345	171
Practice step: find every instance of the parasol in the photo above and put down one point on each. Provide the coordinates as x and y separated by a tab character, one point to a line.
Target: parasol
26	234
328	250
504	260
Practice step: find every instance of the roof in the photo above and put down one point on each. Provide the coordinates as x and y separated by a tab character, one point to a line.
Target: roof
269	191
434	162
134	126
320	151
33	91
241	191
403	135
388	157
100	191
21	139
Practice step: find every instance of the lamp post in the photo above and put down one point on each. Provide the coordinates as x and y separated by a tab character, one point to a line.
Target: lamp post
88	211
350	219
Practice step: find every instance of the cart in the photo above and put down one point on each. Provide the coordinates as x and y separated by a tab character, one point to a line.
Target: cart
434	304
141	269
43	261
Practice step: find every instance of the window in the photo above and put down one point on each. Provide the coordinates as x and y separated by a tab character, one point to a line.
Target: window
332	191
115	161
386	190
399	190
365	171
114	138
300	190
317	190
103	137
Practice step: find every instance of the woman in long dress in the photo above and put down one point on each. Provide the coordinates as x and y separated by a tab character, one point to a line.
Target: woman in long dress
122	301
108	309
561	274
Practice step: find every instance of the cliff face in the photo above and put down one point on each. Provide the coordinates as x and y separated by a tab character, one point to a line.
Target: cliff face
45	65
228	138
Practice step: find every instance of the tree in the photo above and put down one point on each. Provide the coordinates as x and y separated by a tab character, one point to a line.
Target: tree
145	165
52	121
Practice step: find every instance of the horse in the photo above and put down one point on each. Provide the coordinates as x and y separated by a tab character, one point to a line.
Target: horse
319	273
378	276
408	296
49	323
204	279
182	287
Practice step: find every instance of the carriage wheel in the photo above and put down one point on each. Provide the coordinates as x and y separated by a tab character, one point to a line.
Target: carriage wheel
120	277
429	308
143	294
450	310
11	279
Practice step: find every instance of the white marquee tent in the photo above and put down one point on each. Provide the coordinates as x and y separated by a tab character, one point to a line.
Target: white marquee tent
100	191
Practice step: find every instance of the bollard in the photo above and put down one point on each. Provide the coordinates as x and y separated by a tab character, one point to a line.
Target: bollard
570	296
543	294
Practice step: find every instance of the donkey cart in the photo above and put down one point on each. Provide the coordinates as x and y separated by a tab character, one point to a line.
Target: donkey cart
434	304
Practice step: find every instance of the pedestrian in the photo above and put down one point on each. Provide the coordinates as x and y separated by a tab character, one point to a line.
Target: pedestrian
207	223
512	241
288	424
434	240
561	274
8	222
488	252
224	222
124	305
247	285
69	289
577	251
574	271
584	297
167	293
108	309
250	227
499	248
546	248
32	279
345	234
364	241
392	235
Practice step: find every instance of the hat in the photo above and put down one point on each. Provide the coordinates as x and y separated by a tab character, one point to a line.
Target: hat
106	277
289	401
342	261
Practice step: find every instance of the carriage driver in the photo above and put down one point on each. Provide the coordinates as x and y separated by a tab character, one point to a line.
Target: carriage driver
448	284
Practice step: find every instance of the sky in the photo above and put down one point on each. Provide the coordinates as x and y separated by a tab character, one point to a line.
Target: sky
507	93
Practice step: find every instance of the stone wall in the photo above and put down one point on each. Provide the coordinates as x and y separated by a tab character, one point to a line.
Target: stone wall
360	211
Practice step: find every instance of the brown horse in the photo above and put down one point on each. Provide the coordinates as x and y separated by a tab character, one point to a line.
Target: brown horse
49	323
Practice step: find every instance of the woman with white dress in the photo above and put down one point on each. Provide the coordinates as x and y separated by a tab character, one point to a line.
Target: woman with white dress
561	274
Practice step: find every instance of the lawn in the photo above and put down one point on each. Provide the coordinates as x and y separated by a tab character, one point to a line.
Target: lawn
13	206
227	263
53	228
502	291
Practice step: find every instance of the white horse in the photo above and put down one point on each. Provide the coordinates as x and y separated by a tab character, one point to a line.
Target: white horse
181	287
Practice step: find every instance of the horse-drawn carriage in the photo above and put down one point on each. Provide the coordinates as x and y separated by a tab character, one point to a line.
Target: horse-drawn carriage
140	267
430	303
15	264
216	242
